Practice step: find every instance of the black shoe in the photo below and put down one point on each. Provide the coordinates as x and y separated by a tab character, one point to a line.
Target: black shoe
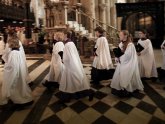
91	95
18	107
163	88
153	79
95	82
28	103
47	85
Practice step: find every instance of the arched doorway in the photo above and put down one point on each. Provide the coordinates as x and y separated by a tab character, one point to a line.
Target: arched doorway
141	20
145	15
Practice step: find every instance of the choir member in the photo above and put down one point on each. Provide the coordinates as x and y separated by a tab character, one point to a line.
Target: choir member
126	79
2	48
56	66
14	84
73	80
12	34
163	54
147	66
102	63
161	70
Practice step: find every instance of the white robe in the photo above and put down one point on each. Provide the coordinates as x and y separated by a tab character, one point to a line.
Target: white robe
163	54
73	77
14	84
2	47
56	65
7	52
127	75
103	59
147	66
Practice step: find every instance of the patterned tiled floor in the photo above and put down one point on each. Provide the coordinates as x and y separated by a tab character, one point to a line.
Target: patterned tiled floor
147	107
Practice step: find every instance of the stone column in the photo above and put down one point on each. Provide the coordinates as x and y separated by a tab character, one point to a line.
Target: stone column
92	13
113	14
54	15
97	9
108	20
76	15
66	12
27	20
79	5
102	6
90	10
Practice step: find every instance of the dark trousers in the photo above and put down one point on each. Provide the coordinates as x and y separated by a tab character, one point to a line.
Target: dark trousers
1	59
101	74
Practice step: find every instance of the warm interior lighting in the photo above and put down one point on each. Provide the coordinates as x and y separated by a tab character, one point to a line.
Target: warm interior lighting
55	1
1	20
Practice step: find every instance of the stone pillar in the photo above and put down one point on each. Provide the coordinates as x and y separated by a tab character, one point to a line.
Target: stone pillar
119	21
27	20
102	7
92	13
108	20
90	10
113	14
53	14
97	9
78	14
79	5
66	12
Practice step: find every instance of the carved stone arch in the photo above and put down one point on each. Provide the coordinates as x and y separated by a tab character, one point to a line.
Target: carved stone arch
154	9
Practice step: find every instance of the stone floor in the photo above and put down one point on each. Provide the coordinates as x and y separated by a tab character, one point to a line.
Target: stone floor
147	107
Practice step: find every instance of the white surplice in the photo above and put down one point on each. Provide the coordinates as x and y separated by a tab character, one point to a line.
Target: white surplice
147	65
14	84
7	52
56	65
2	47
103	59
127	75
73	77
163	54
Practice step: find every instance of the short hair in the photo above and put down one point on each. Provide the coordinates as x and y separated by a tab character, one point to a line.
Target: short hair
59	36
100	30
13	42
144	31
68	33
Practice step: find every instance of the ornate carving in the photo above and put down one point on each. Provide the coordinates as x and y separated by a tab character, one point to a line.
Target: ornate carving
55	14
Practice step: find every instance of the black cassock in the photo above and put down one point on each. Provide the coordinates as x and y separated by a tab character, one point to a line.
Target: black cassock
100	74
139	47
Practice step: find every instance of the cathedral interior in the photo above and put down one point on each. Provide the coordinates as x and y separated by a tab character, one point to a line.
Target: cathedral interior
37	20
